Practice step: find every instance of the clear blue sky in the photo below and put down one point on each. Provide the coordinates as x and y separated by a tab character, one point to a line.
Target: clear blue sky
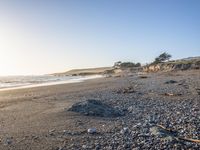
44	36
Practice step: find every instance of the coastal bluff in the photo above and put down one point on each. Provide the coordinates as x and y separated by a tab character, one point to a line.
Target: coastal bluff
181	64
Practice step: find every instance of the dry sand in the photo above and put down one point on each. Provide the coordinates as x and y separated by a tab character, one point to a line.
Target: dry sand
36	111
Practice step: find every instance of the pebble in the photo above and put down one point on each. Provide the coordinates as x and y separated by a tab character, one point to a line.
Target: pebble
84	146
98	147
92	130
51	132
8	141
124	130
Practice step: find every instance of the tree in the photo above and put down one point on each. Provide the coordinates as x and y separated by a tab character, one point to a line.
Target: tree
117	64
138	65
127	65
162	58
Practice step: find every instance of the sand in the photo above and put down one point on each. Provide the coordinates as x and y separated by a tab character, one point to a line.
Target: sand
37	118
36	111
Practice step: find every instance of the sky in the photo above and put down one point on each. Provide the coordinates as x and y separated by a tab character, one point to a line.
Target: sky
40	36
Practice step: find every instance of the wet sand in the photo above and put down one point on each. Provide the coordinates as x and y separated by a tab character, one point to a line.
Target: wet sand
36	118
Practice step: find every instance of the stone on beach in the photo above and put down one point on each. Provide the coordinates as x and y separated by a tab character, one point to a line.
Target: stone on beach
93	107
92	130
124	130
170	82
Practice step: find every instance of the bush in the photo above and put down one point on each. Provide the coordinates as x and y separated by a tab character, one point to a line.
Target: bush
138	65
162	58
120	64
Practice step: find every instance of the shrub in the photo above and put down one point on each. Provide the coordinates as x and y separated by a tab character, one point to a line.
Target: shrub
162	58
120	64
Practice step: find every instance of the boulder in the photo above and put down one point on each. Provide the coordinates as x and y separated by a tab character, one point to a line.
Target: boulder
93	107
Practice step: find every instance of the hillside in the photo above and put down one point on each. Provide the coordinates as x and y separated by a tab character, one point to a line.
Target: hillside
180	64
87	71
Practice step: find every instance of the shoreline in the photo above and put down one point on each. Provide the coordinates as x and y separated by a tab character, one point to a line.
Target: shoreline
75	80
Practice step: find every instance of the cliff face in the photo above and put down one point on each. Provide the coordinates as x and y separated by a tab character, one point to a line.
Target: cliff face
183	64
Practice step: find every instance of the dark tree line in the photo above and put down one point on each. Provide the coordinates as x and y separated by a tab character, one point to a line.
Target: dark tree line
161	58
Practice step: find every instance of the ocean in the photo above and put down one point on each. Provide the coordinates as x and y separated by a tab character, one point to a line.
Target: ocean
18	82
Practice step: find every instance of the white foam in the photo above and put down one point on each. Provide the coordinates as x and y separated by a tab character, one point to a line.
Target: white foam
55	81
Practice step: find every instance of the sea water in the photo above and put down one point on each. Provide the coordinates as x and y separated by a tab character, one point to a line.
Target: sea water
16	82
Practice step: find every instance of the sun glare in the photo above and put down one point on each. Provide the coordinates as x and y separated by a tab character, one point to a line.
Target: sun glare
12	49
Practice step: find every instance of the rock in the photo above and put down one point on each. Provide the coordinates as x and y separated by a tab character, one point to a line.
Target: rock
34	137
124	130
126	146
8	141
51	132
170	82
98	147
169	94
152	119
84	146
198	91
131	109
137	126
143	77
65	131
93	107
195	109
135	148
92	130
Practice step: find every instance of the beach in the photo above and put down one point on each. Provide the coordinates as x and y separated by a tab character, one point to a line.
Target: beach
38	118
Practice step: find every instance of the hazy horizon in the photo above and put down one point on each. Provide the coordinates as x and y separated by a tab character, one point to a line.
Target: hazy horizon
41	37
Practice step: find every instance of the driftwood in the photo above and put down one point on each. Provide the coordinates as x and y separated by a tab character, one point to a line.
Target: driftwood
175	136
172	94
127	90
